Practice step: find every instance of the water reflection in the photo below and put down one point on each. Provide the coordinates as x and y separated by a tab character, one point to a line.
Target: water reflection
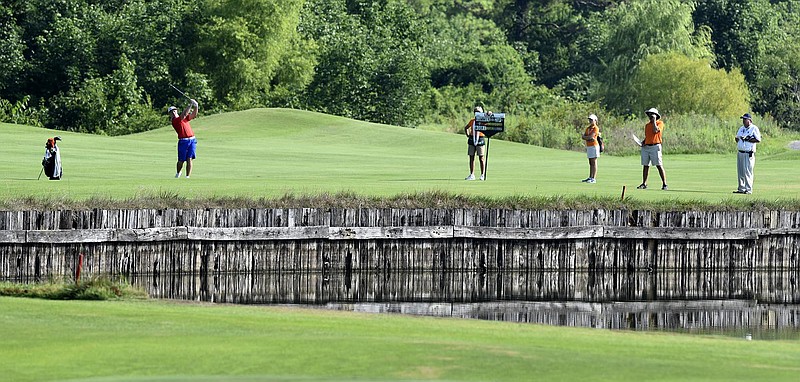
760	303
296	287
727	317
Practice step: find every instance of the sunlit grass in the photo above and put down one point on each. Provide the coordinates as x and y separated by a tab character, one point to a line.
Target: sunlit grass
158	340
290	156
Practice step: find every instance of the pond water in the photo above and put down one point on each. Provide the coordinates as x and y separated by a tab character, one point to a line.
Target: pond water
753	305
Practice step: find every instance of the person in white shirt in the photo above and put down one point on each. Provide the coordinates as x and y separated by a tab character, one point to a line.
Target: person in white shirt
746	139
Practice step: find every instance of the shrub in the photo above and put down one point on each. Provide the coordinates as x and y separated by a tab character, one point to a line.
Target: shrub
19	112
94	289
111	105
676	83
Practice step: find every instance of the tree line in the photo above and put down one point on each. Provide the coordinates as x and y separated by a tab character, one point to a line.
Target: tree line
106	66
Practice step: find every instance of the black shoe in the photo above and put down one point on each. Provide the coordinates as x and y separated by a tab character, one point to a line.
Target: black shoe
664	187
739	192
642	186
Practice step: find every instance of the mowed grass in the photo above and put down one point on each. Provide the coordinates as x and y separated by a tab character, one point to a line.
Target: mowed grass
158	340
274	152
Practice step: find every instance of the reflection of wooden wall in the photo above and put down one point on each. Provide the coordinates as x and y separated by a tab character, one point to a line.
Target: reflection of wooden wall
703	316
36	245
311	287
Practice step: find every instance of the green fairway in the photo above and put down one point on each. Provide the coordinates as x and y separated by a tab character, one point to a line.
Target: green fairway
273	152
156	340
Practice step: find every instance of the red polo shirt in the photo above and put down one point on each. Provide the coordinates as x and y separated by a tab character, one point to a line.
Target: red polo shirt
182	126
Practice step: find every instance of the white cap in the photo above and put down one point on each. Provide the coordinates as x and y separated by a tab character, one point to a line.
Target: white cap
171	108
478	109
593	117
653	110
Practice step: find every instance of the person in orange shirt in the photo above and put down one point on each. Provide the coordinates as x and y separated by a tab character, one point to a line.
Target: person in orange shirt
592	147
651	148
475	145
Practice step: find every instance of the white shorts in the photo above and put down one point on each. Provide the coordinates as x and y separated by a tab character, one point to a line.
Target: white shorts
592	151
651	155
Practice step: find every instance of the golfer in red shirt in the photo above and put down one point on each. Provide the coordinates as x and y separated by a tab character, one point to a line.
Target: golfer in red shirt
187	144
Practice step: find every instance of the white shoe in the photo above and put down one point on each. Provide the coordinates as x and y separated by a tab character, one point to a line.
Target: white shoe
591	180
187	176
178	175
470	177
483	177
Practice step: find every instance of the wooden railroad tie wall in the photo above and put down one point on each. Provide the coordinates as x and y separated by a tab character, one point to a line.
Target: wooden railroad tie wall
37	244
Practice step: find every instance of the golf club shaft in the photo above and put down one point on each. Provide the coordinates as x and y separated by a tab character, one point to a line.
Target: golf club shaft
179	91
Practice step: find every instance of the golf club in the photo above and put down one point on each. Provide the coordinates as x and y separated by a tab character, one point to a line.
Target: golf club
179	91
40	173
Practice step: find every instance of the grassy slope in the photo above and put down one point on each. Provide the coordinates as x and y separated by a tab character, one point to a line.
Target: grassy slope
271	152
143	340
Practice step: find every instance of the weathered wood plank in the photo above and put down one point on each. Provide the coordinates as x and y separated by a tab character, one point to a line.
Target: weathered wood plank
397	232
778	231
258	233
553	233
70	236
152	234
680	233
405	232
16	236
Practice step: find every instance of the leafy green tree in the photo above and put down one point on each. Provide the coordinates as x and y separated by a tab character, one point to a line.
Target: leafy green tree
638	29
732	22
73	51
113	104
156	35
295	72
679	84
61	46
777	84
240	45
370	64
548	34
342	75
12	60
471	63
20	112
762	38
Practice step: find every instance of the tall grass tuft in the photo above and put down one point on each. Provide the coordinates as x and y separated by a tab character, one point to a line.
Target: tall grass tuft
427	199
94	289
683	134
559	125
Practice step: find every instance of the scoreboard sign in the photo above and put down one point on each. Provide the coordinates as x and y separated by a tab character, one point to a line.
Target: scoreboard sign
490	123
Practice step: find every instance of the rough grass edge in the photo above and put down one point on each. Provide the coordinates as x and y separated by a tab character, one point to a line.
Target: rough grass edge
93	289
428	199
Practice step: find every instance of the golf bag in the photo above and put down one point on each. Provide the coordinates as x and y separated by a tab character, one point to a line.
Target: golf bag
51	162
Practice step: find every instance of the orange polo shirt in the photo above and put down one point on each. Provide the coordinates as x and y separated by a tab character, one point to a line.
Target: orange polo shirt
651	138
471	125
592	131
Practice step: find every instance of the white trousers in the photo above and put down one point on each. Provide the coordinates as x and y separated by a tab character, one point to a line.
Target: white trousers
744	166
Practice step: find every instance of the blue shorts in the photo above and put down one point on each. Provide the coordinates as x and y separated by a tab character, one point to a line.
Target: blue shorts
186	149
